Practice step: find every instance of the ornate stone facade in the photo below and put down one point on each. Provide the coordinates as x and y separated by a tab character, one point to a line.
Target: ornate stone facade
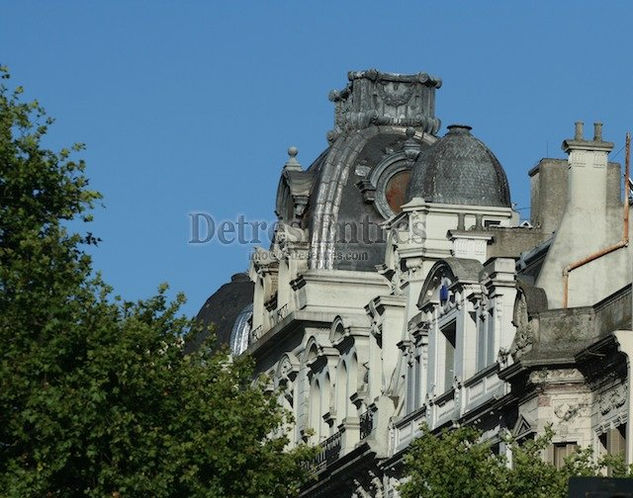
455	316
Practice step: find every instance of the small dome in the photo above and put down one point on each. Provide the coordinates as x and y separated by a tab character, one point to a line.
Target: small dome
221	310
459	169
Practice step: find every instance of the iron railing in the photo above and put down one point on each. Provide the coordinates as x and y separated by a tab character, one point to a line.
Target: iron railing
330	450
366	423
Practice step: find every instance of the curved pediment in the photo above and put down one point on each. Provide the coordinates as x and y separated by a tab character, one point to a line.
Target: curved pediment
287	367
444	274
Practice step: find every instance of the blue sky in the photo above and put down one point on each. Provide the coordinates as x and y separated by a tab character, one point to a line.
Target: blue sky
191	106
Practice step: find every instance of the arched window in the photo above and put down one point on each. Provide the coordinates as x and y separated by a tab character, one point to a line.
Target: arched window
352	384
341	391
325	407
315	409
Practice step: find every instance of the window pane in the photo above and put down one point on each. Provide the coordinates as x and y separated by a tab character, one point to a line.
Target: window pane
410	389
418	381
490	347
449	355
481	343
562	451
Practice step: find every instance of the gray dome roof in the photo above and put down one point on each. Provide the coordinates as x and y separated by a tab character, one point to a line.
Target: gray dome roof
459	169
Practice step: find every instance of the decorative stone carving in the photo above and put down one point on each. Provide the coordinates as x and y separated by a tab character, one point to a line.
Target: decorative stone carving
524	336
395	277
613	399
362	169
293	190
372	489
556	376
566	412
372	97
287	235
376	485
359	491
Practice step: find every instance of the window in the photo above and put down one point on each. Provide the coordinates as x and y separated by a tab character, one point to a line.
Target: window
485	340
418	381
490	347
481	343
560	451
315	408
396	190
614	440
410	388
414	385
449	334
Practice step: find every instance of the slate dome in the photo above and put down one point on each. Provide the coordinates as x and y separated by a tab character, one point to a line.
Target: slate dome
459	169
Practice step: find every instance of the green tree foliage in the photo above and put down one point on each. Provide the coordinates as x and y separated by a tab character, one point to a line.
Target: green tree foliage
458	464
96	395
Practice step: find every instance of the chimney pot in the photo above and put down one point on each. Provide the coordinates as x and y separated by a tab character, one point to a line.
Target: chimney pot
597	132
578	134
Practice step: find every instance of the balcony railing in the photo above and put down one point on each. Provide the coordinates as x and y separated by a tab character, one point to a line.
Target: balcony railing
276	316
330	450
366	423
256	333
279	314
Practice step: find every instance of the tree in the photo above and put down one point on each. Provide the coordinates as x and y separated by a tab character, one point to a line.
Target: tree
97	397
457	463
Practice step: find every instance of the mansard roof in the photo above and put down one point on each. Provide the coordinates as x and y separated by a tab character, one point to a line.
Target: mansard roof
382	121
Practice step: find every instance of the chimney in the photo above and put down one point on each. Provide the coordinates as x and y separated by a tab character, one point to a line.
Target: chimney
588	177
548	193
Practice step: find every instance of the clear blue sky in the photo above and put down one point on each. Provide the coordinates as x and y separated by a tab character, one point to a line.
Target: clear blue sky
190	106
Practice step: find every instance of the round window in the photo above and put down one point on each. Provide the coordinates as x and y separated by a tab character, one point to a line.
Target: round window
396	190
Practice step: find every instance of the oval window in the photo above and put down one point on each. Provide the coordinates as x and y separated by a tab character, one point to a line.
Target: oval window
396	190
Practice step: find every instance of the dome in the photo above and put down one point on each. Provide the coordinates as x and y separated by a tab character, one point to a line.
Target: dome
459	169
221	311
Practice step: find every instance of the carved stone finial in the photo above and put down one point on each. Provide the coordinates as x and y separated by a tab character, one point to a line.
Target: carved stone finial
292	163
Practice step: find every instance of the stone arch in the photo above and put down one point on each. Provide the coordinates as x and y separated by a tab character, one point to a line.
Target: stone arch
337	330
311	351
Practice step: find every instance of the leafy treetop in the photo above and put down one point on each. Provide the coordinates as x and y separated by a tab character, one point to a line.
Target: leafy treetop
97	397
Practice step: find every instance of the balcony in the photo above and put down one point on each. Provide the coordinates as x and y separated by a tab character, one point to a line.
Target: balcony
279	314
481	387
367	423
407	429
330	451
256	333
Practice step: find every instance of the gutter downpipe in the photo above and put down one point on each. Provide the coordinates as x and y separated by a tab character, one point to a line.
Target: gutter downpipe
624	242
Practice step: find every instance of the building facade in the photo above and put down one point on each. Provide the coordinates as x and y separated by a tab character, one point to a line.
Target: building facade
402	288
